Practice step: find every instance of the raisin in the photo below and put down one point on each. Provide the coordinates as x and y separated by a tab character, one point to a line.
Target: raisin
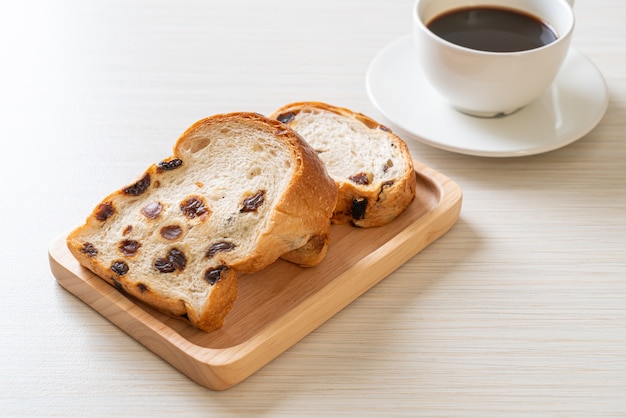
175	260
152	210
164	265
212	275
142	287
89	250
171	232
384	128
252	203
119	267
169	165
104	211
286	117
139	187
127	230
178	259
129	247
220	246
387	165
360	178
193	207
358	208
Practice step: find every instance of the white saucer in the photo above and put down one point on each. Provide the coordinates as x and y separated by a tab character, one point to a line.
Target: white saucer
568	110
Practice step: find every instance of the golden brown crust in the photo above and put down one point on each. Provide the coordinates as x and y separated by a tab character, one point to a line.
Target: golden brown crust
378	205
310	254
220	301
310	187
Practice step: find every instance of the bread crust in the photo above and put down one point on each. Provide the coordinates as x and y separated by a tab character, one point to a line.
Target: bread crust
299	215
304	209
379	202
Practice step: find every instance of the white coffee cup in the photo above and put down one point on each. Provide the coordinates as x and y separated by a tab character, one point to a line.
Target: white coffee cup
489	84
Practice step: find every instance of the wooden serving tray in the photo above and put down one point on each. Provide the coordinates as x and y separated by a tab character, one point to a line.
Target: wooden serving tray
280	305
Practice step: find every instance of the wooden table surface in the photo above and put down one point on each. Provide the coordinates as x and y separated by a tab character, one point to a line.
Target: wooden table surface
519	310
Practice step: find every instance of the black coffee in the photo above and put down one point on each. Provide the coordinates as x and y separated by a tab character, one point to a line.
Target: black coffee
492	29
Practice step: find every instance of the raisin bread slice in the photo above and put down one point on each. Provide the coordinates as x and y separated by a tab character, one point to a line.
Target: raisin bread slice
240	191
371	165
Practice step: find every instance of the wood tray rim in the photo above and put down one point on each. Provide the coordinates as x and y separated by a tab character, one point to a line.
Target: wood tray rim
221	368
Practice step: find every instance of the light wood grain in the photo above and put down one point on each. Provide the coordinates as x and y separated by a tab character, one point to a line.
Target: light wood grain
281	304
518	311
